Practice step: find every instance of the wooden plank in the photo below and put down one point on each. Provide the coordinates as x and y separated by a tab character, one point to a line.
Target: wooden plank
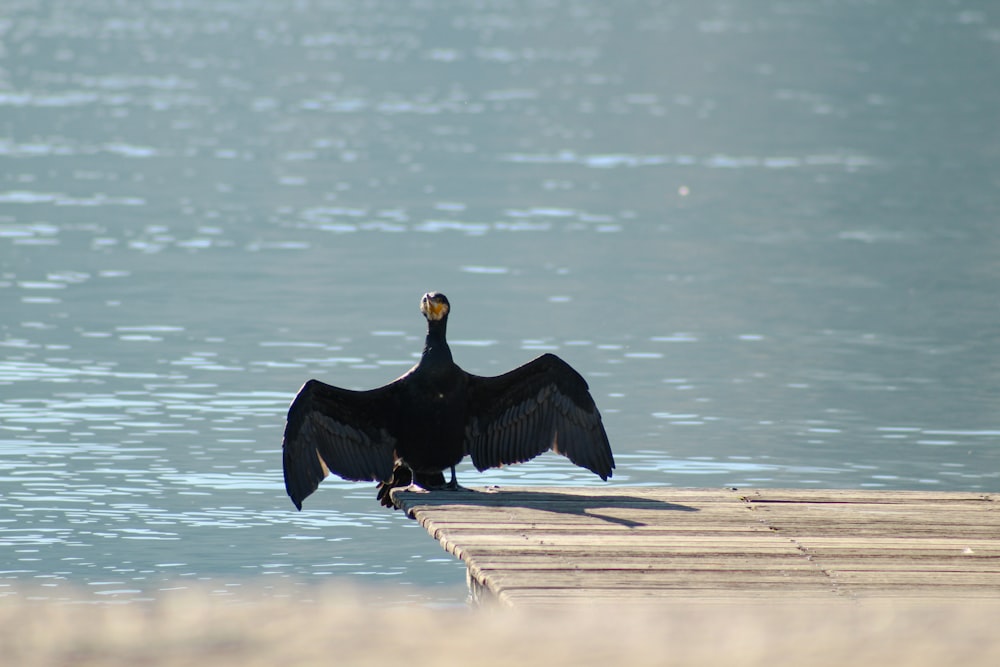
889	542
554	546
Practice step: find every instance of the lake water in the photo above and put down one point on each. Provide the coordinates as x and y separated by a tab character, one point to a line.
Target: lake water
766	234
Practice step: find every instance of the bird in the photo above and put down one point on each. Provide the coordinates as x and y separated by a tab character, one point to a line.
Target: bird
408	432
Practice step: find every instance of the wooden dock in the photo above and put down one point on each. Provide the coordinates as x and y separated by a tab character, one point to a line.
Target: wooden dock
551	546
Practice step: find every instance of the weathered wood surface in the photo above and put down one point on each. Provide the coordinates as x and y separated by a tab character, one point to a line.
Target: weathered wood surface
553	545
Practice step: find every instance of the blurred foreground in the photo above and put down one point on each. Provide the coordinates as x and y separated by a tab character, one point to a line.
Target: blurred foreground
340	626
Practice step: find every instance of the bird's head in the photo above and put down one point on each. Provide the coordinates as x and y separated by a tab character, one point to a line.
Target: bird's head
434	306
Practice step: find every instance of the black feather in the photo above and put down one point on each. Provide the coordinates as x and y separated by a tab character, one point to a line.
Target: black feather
426	421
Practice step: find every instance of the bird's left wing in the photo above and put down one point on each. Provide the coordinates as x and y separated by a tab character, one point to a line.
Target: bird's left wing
544	404
330	429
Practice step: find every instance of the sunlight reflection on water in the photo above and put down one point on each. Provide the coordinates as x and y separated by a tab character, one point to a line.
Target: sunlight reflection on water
770	274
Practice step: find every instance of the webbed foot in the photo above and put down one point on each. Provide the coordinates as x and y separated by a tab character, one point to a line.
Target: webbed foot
453	484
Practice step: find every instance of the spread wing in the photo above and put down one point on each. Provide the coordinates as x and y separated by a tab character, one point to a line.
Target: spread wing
346	432
542	405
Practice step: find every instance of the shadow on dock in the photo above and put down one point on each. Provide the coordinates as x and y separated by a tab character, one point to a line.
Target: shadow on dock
573	502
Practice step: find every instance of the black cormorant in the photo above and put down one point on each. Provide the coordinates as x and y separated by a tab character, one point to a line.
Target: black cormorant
425	422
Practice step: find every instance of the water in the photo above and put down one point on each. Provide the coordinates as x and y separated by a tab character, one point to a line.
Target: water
765	234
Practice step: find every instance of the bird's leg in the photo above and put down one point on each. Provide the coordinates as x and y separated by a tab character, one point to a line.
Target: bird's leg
413	486
453	484
428	481
432	481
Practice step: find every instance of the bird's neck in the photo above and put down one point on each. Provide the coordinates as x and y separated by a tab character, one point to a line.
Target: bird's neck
435	345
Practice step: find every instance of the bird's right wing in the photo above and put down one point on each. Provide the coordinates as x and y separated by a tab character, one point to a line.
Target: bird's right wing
544	404
336	430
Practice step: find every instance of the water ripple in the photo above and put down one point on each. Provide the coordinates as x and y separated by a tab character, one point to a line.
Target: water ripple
206	203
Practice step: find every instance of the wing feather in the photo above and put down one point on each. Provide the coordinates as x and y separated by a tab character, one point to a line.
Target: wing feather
542	405
336	430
